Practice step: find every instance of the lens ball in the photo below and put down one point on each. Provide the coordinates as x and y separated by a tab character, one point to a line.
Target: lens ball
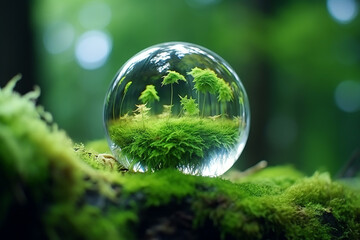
177	105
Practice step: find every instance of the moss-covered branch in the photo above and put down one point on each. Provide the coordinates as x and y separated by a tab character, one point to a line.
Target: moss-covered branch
50	191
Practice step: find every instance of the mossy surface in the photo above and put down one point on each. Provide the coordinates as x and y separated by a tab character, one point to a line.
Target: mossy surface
50	191
178	143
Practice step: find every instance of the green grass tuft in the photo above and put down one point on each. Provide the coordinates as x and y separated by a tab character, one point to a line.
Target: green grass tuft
173	142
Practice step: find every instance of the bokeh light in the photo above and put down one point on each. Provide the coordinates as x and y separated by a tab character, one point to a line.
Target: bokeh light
343	11
93	49
95	15
58	37
347	96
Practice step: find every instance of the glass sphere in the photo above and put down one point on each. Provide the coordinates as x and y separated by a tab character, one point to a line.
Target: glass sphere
177	105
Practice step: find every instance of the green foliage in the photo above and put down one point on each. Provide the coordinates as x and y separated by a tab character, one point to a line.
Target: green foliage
172	77
195	72
149	95
225	94
205	80
174	142
190	107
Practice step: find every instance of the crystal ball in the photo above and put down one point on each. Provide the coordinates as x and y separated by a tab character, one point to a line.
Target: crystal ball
177	105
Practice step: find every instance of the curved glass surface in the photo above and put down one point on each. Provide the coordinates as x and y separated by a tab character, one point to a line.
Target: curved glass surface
177	105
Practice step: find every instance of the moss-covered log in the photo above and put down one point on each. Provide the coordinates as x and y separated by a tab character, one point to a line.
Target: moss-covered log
50	191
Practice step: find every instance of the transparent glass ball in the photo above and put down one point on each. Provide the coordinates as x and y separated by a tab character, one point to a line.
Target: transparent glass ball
177	105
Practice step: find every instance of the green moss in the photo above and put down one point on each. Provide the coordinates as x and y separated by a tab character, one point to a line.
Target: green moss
173	142
44	183
255	208
27	143
286	206
50	191
274	179
265	207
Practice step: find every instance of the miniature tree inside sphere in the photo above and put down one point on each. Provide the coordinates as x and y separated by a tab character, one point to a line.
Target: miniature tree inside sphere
177	105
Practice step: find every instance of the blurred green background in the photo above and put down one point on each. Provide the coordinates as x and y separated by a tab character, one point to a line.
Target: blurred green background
298	60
